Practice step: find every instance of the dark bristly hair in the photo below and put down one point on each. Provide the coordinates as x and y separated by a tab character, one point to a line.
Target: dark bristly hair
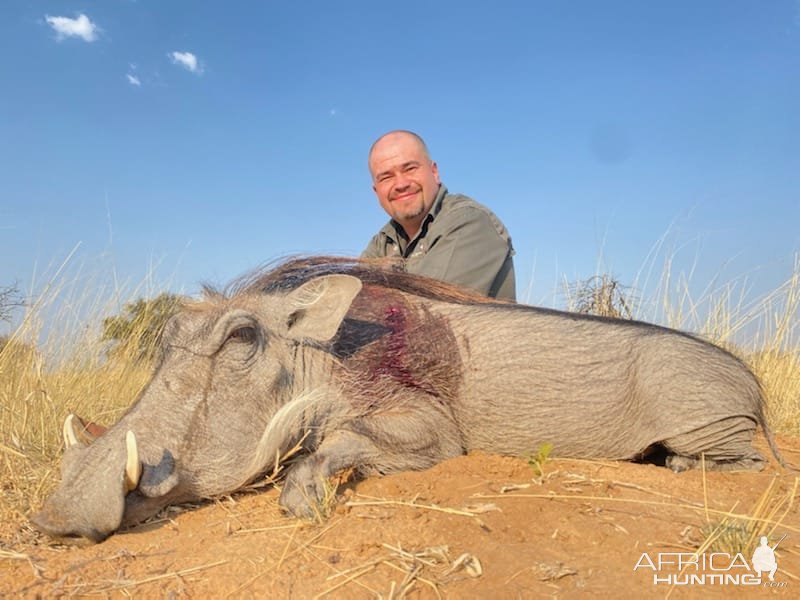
291	273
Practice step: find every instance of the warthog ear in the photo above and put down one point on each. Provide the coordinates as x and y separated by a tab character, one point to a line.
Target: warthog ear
317	308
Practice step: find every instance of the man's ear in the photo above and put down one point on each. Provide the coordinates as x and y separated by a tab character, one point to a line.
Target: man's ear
317	308
435	171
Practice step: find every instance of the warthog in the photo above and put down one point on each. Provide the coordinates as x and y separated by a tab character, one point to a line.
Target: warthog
381	371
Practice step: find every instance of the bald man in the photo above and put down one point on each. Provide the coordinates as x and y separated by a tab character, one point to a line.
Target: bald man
431	232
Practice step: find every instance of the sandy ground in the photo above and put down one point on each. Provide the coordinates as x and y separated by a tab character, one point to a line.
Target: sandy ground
474	527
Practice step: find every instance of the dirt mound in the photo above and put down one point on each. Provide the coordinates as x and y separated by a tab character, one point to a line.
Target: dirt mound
475	526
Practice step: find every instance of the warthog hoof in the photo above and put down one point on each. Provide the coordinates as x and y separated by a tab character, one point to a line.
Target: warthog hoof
753	462
306	492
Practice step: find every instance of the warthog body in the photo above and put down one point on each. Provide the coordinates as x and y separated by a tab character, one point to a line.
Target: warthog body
383	371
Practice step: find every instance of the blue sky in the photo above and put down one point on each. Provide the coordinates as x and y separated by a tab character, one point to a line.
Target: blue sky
196	140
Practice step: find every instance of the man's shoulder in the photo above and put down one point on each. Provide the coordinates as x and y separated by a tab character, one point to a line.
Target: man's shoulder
389	230
457	208
383	243
461	202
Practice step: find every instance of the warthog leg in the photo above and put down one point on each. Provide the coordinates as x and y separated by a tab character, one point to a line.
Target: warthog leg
402	439
724	445
305	486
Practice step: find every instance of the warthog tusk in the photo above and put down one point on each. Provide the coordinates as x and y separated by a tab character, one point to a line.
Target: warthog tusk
133	467
70	439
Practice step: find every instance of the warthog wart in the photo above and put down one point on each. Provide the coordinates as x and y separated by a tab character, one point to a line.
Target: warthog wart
382	371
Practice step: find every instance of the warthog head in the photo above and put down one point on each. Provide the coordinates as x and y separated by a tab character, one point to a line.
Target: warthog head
221	405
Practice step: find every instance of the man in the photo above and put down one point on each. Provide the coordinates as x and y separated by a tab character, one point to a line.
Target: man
431	232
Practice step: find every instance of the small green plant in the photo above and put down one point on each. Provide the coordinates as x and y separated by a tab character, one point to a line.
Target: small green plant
537	460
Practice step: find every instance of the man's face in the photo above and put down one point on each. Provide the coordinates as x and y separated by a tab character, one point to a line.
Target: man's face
405	180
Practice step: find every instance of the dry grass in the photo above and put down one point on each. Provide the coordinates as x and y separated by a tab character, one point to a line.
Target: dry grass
734	535
54	363
50	369
432	567
760	521
34	404
779	373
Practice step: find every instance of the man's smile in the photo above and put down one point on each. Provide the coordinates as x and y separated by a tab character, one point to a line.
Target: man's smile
405	196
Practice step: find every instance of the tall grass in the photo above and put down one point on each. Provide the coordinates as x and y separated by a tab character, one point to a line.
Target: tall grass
52	364
55	363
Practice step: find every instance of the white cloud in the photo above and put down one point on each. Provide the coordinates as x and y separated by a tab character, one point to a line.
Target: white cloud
187	60
80	27
133	80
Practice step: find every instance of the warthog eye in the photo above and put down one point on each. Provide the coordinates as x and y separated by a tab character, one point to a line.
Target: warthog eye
246	334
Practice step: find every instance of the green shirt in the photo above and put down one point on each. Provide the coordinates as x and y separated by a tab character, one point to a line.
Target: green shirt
459	241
